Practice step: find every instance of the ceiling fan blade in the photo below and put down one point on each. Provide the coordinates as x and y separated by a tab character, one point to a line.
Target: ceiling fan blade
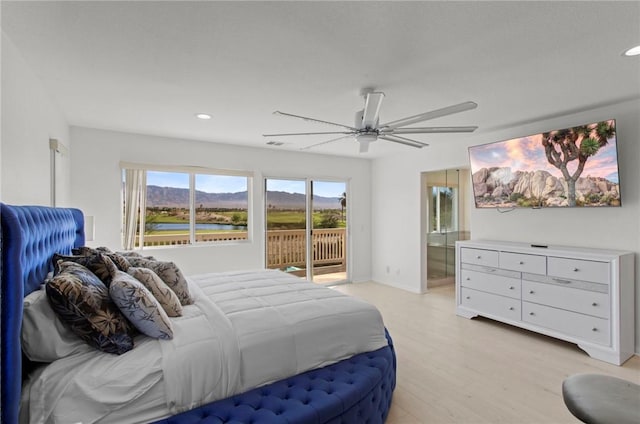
428	130
277	112
371	112
325	142
309	133
449	110
404	140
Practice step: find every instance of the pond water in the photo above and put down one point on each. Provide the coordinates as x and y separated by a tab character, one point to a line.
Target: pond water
177	226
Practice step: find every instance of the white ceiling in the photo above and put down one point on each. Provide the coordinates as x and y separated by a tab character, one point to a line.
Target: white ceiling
148	67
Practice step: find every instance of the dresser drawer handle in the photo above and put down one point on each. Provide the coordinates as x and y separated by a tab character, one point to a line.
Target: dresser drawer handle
478	257
575	270
468	297
560	280
468	278
594	329
521	263
594	304
511	308
531	313
530	291
511	287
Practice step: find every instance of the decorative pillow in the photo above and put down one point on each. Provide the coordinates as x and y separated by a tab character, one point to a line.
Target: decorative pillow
99	264
85	251
119	260
140	307
44	337
139	261
170	274
163	294
131	254
82	302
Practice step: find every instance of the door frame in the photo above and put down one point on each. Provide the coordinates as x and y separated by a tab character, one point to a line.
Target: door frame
463	203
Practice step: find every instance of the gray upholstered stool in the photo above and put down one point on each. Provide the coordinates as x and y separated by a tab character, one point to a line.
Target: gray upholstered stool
601	399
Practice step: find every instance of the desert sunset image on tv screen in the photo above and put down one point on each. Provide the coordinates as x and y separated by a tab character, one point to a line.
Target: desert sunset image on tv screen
576	166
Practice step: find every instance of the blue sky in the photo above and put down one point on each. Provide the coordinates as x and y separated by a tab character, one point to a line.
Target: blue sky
233	184
206	183
320	188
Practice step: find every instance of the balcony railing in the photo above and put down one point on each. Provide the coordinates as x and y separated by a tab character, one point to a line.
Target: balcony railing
285	248
180	239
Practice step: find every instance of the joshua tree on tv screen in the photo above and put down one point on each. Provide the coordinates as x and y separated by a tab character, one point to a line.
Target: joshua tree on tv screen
577	143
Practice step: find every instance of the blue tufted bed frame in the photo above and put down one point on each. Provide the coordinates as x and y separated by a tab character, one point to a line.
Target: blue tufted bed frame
355	390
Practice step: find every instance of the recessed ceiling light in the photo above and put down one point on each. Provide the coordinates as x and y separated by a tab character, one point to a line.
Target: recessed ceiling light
633	51
203	116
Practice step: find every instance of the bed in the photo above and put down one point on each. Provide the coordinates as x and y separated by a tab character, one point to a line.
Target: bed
352	389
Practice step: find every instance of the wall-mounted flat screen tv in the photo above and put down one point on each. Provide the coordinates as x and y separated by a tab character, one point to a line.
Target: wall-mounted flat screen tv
571	167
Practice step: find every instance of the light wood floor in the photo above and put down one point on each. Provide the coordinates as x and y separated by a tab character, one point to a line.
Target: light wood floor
455	370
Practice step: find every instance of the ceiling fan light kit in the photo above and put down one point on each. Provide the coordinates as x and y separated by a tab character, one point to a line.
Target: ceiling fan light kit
367	129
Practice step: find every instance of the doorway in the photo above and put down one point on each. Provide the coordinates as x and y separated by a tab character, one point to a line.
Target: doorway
306	228
446	222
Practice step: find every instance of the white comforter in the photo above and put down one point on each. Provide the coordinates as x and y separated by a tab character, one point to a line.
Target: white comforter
245	329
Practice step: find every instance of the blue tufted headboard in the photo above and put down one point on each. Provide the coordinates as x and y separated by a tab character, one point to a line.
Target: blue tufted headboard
30	237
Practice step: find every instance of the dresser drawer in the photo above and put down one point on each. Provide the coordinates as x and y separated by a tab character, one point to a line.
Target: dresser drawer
491	304
584	327
565	297
492	282
578	269
479	256
535	264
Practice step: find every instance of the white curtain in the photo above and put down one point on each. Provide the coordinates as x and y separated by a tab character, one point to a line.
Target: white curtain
135	195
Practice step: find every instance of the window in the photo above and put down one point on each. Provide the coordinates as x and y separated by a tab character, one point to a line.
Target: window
183	207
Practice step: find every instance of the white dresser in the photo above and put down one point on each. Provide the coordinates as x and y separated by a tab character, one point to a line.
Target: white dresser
584	296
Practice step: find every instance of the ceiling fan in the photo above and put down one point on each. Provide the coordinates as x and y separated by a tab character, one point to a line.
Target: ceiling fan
367	128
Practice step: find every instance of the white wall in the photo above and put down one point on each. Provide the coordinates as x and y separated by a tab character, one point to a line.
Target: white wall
97	180
29	119
396	202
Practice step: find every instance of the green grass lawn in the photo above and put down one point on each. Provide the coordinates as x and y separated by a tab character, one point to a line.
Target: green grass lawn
276	220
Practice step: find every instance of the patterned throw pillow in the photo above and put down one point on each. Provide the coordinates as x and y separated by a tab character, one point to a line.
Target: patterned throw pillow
119	260
85	251
163	294
170	274
138	304
82	301
139	261
98	263
131	254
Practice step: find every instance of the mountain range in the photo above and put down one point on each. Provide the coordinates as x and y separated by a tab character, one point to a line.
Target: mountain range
179	197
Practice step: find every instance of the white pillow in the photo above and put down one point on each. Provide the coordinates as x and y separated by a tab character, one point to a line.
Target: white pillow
44	337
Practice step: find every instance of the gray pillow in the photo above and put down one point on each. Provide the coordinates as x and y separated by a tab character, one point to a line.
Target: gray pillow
170	274
140	307
163	294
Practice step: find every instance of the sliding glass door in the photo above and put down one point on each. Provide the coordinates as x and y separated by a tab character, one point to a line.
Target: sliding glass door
286	225
329	231
306	227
